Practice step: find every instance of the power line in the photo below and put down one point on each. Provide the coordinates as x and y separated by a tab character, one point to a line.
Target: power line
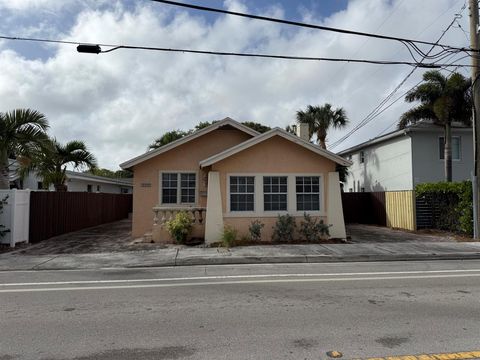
306	25
376	111
113	47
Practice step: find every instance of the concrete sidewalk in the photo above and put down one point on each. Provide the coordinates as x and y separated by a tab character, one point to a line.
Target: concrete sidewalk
245	255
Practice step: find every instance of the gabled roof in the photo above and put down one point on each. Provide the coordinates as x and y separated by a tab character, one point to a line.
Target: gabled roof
152	153
267	135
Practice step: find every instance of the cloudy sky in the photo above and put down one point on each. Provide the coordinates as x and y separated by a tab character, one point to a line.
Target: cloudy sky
119	102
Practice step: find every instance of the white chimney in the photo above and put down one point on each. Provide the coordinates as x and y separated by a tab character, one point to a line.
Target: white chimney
302	131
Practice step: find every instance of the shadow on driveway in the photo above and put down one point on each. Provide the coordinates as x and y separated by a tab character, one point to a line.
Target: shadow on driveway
364	234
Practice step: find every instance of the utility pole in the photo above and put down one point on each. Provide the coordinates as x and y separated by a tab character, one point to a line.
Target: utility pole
474	44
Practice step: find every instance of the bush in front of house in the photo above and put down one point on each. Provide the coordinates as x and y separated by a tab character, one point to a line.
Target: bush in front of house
284	228
255	230
313	230
229	236
180	227
451	204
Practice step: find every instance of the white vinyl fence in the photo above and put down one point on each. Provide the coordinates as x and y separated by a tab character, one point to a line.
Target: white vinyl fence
15	216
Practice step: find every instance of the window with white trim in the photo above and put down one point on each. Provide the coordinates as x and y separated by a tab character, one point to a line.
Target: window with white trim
187	186
275	193
456	147
242	193
172	182
308	193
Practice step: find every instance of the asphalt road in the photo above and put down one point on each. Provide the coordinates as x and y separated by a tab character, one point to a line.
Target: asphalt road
299	311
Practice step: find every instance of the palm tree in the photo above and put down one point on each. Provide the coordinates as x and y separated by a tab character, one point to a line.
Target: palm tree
22	132
51	163
443	100
320	119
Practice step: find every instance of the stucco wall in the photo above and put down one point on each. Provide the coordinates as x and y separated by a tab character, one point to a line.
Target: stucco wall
427	165
185	157
273	156
387	167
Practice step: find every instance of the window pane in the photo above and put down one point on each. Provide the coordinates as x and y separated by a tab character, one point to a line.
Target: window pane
242	190
308	193
187	191
275	195
169	188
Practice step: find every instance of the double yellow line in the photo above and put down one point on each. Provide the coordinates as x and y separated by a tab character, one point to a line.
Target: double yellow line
442	356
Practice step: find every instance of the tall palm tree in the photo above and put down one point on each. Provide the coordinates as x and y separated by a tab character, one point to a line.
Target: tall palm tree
51	163
443	100
320	119
22	132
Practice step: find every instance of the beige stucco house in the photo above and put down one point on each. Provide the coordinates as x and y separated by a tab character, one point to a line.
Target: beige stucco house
228	174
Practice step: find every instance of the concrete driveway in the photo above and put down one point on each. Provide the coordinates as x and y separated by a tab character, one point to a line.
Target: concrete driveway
116	237
112	237
365	234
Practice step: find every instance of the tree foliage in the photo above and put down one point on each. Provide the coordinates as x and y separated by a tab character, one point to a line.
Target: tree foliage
51	162
173	135
322	118
442	100
22	133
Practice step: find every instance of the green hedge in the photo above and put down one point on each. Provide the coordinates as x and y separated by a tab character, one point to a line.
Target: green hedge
454	202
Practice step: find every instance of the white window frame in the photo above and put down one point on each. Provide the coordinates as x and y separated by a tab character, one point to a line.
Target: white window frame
273	193
179	188
255	191
362	156
319	193
291	196
459	148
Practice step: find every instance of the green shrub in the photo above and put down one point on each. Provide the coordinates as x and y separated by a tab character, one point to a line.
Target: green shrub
284	228
452	201
255	230
180	226
229	236
313	229
3	229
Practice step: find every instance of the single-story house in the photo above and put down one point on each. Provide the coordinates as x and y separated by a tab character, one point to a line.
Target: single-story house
228	174
76	181
404	158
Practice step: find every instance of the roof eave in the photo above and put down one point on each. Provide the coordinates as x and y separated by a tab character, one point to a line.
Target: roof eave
150	154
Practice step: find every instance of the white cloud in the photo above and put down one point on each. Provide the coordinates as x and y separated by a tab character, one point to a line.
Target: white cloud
120	101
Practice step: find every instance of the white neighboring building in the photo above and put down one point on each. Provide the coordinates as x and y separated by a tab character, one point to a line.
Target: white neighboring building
82	182
404	158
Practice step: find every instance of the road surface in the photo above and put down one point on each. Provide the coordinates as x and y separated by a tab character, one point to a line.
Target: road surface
281	311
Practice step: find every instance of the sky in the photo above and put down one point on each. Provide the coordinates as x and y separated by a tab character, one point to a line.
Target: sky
119	102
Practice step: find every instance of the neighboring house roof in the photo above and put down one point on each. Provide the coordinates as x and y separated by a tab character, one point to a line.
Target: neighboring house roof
101	179
420	126
267	135
152	153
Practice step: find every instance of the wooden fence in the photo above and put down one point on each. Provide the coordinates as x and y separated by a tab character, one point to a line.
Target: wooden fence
394	209
400	209
364	208
56	213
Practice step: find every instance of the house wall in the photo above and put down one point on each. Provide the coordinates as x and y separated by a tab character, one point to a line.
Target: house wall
185	157
77	185
81	185
387	167
275	156
427	165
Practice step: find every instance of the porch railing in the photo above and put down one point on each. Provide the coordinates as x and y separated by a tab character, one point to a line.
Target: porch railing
164	214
